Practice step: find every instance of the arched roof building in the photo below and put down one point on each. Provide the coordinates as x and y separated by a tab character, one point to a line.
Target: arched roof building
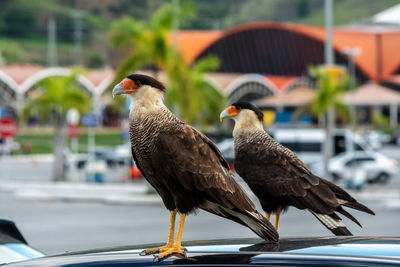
286	49
256	59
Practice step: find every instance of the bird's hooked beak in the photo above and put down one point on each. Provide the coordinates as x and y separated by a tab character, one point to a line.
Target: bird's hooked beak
126	86
118	90
229	112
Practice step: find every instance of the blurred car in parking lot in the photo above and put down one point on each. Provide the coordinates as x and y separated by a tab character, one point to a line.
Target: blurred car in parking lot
378	167
376	139
395	138
110	156
8	146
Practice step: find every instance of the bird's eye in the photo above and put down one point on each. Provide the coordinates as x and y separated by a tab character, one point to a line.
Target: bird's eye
137	82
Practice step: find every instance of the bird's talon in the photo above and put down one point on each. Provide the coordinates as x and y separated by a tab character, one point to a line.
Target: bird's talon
142	253
179	252
151	251
155	259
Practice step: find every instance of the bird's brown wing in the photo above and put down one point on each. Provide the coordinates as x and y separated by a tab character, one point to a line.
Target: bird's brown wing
281	173
190	157
193	161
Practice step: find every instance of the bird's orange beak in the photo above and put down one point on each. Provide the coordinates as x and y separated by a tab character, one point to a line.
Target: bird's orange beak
229	112
126	86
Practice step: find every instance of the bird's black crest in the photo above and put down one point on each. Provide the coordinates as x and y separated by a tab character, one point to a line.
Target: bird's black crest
146	80
247	105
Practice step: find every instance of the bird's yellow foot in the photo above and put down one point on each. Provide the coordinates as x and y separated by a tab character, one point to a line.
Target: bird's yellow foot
177	251
156	250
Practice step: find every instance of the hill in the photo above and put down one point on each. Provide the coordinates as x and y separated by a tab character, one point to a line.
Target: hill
24	23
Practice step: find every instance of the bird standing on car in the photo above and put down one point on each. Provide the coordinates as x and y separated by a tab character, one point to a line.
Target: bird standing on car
279	178
183	165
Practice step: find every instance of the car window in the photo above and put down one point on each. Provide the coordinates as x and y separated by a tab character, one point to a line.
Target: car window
365	159
355	161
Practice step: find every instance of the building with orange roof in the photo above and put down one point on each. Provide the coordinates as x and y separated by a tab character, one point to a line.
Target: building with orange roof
256	59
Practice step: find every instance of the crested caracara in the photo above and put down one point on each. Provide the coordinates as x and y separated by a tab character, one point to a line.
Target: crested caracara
183	165
279	178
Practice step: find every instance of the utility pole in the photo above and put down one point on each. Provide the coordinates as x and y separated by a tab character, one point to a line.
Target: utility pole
52	42
351	53
329	61
78	34
175	27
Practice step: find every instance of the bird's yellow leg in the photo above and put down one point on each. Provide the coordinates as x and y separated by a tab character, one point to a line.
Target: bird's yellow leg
268	216
277	215
170	242
177	249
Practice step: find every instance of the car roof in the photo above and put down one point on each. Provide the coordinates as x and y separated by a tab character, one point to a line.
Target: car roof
373	251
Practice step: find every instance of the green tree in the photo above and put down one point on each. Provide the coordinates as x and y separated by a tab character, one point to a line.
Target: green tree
16	23
329	92
190	95
331	84
56	96
147	41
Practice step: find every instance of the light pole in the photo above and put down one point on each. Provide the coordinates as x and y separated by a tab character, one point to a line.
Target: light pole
329	61
351	53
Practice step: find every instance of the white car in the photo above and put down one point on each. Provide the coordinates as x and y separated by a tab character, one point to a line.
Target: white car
378	167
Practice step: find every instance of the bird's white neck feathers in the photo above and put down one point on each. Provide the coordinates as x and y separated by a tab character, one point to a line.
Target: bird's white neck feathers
147	98
247	120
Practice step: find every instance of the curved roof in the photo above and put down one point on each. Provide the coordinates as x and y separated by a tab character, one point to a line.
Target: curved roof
296	97
373	94
269	47
21	77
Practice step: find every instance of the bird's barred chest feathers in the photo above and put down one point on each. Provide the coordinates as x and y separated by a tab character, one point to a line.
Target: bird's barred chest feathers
144	127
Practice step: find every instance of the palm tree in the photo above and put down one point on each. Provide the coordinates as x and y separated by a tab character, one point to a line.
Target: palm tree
193	97
147	40
331	84
56	96
190	95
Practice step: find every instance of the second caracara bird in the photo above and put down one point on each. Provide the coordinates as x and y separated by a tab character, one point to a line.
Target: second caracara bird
279	178
183	165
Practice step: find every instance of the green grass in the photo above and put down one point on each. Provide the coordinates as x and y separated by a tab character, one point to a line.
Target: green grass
43	143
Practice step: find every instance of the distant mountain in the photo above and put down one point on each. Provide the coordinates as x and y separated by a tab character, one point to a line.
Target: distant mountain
24	23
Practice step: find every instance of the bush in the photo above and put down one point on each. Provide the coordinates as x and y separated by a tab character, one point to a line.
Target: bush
20	23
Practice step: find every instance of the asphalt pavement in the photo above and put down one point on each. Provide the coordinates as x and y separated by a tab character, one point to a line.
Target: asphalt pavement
60	217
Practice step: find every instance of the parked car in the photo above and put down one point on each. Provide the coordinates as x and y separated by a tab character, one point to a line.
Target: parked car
13	246
107	155
314	251
395	138
376	138
8	146
379	168
308	144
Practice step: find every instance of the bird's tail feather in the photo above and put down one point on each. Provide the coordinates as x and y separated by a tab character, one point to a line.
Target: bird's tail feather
259	225
348	215
252	219
333	223
345	199
356	205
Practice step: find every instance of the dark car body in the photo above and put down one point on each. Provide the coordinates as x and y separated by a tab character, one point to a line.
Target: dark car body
329	251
